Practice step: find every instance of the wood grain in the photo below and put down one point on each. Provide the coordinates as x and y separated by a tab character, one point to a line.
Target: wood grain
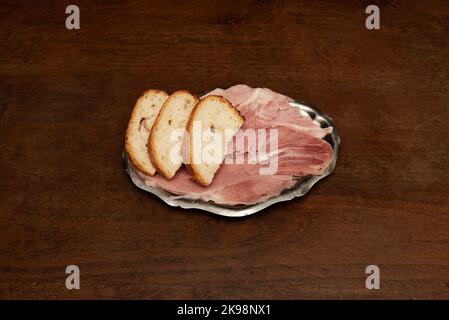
66	96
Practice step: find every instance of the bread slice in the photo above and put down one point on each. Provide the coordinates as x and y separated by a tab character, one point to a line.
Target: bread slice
165	150
212	117
142	118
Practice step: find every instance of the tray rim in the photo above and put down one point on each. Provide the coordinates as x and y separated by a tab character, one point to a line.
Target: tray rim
299	190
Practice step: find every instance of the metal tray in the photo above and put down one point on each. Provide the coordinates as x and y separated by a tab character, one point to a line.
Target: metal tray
303	185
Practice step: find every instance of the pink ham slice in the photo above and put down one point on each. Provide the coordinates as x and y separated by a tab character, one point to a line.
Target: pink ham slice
232	185
264	108
301	152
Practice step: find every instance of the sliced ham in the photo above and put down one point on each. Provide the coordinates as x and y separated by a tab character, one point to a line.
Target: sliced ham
264	108
233	184
300	151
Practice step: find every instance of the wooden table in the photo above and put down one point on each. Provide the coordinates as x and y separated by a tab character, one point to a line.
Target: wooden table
66	97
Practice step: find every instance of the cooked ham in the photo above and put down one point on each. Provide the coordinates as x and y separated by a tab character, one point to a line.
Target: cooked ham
227	186
300	151
264	108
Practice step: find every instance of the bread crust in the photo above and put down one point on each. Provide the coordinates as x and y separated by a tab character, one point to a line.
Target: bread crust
128	147
191	167
151	141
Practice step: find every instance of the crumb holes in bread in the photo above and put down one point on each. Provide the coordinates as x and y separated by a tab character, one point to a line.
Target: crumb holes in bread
142	124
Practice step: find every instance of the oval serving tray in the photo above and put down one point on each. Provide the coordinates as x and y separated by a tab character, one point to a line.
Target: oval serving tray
303	185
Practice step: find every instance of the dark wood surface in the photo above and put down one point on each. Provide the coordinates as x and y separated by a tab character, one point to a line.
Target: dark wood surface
66	97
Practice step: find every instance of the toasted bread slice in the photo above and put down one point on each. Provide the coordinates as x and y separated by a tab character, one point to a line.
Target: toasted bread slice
164	147
142	118
212	119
